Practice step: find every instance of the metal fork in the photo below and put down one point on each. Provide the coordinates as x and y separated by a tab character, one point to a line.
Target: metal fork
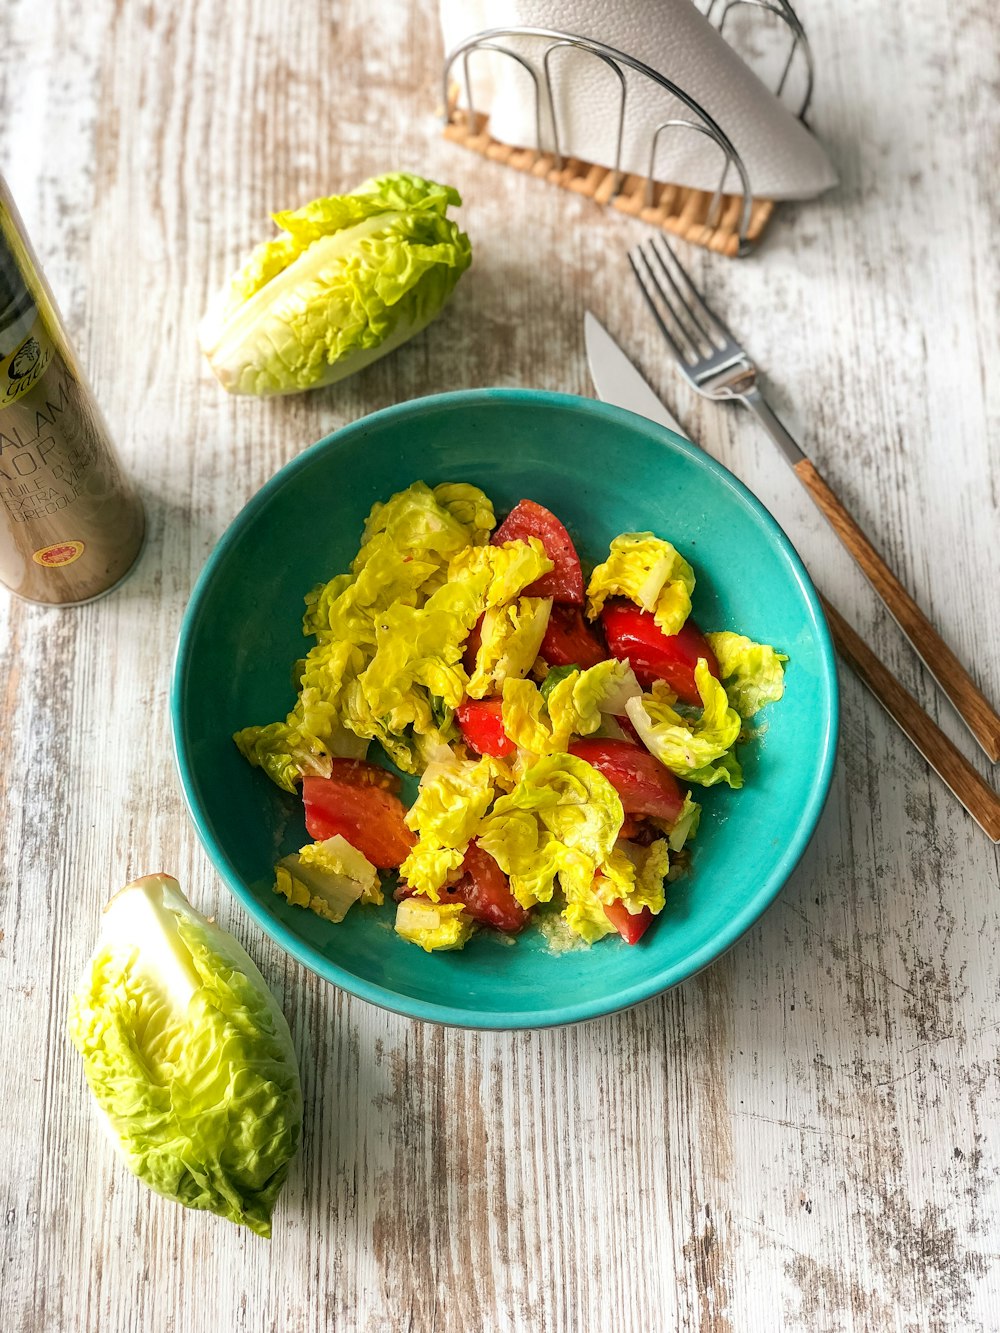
715	364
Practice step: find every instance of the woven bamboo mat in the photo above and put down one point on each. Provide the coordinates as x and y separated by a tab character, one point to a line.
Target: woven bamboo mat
676	208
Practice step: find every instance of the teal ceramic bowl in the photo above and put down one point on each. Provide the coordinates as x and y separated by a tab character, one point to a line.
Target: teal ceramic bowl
603	471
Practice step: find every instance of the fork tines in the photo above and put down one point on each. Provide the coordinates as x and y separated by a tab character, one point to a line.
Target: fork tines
694	333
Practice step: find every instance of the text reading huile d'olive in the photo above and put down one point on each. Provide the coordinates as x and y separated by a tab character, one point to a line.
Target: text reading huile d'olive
41	471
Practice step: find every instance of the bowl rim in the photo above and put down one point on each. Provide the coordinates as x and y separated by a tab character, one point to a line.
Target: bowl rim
559	1015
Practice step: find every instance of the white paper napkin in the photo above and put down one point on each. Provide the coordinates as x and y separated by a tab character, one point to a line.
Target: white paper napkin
783	159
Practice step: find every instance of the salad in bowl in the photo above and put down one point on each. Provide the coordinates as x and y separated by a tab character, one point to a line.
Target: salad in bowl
561	723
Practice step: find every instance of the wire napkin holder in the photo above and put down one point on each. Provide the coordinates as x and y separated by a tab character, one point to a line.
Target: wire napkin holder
730	223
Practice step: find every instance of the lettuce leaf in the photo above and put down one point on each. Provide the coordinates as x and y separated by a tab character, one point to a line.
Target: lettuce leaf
636	875
433	925
504	570
685	826
472	507
346	608
751	672
451	801
573	706
314	731
698	749
328	878
559	823
349	278
419	522
284	752
651	573
421	646
509	642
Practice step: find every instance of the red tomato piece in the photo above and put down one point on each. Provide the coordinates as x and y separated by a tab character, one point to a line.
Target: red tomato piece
569	640
484	890
368	816
633	633
642	782
630	927
481	724
625	722
564	582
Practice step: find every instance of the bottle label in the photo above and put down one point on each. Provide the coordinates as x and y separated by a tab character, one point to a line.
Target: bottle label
62	553
25	366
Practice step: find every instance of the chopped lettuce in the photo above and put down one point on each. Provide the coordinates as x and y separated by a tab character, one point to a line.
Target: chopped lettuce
544	721
635	875
346	609
284	752
430	524
302	745
559	823
632	875
451	801
421	646
650	572
509	642
349	278
328	878
751	672
696	749
506	570
584	912
685	826
433	925
472	507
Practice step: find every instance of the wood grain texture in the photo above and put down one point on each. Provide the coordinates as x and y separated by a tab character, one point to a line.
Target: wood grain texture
694	215
981	801
969	701
803	1137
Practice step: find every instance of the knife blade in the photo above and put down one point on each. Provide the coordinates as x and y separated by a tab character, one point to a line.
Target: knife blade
618	381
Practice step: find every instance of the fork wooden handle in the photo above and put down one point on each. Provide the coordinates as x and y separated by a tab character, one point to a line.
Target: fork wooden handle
981	801
971	704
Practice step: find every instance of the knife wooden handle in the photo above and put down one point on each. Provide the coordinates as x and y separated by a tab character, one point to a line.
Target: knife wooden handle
971	704
981	801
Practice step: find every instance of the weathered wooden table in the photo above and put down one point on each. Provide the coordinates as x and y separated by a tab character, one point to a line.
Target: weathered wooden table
804	1136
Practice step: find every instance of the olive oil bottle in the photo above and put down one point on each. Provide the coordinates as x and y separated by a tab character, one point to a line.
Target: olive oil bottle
71	524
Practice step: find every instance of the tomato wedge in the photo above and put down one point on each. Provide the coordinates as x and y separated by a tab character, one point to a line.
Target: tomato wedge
642	782
564	582
569	640
368	816
485	891
630	927
481	724
625	722
633	633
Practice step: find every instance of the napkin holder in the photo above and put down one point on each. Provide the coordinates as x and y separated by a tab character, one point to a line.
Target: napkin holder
729	223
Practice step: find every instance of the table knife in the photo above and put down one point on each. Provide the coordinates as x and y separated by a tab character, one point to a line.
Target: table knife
618	381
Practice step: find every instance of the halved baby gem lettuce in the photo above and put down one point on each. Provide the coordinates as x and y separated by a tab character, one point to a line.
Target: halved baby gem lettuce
188	1056
347	279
